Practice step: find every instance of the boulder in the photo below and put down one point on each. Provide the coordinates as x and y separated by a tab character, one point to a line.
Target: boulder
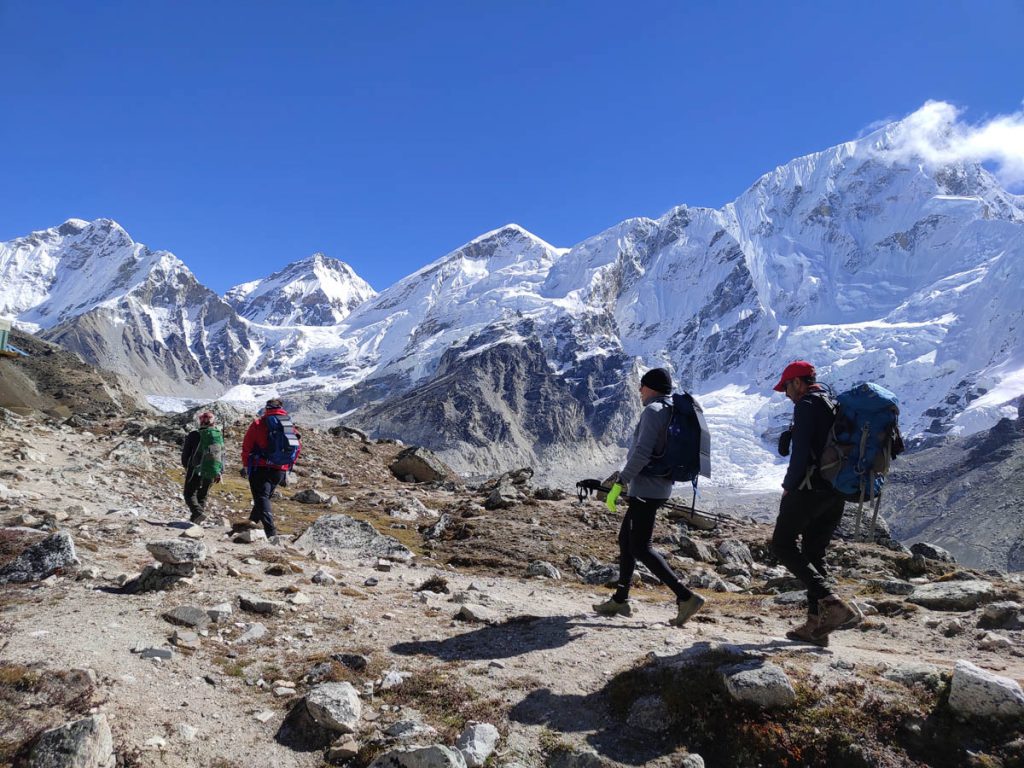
422	464
932	552
977	693
503	496
477	743
311	496
258	604
345	538
335	706
734	552
175	551
544	569
41	560
85	743
760	683
434	756
953	595
695	549
188	616
1002	615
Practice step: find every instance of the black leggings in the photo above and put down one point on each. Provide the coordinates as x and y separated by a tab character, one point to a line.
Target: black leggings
813	516
195	491
635	544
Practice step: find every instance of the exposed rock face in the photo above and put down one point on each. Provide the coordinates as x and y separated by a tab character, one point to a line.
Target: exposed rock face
52	554
953	595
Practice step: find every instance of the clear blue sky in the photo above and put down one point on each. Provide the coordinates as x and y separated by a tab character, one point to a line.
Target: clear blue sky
243	136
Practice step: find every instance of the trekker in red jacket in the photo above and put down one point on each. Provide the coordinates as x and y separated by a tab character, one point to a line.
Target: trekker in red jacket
270	448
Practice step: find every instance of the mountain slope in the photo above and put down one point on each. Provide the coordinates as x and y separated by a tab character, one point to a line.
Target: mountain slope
315	291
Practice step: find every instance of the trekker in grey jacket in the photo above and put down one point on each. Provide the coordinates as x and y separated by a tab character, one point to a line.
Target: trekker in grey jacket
646	493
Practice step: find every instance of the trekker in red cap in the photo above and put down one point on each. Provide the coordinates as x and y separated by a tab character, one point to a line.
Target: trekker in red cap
811	509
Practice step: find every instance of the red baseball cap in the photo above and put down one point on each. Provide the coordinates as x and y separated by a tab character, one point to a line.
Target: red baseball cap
795	370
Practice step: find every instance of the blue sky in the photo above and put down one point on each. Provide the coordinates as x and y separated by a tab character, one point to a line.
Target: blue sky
243	136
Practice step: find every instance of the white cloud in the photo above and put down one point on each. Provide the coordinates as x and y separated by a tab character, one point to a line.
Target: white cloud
936	135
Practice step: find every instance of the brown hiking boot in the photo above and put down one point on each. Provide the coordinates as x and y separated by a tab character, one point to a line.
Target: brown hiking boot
807	632
612	607
835	613
686	608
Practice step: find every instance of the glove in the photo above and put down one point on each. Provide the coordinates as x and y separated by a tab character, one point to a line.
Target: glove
784	442
613	494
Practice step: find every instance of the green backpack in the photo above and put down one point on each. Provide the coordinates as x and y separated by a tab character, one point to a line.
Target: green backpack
211	453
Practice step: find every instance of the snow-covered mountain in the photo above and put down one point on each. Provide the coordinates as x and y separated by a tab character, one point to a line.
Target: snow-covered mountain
315	291
872	264
89	287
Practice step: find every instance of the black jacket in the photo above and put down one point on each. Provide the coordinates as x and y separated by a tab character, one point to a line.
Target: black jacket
812	420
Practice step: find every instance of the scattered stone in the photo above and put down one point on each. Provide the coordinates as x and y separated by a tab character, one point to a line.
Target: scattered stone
735	552
28	521
953	595
311	496
188	616
342	750
932	552
434	756
550	494
85	743
354	661
324	577
220	613
265	716
54	554
977	693
371	582
164	654
176	551
1002	615
927	675
435	531
252	632
383	565
476	614
695	549
892	586
335	706
650	714
261	605
758	682
155	742
543	569
186	732
477	742
250	536
951	627
409	729
195	532
994	642
187	640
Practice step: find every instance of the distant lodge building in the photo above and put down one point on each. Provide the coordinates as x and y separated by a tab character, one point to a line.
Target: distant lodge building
5	333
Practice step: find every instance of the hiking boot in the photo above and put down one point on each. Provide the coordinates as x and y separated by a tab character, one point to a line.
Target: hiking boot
808	632
198	518
686	608
612	607
835	613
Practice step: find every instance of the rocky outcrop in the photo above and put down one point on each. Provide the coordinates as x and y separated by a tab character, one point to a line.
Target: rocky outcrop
343	537
54	554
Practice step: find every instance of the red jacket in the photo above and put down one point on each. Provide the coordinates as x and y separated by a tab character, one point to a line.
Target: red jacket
257	438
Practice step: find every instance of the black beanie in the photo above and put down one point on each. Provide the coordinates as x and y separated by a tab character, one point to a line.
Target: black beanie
658	380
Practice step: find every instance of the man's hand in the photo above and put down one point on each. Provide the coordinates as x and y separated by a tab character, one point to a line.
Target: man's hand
216	479
243	472
613	495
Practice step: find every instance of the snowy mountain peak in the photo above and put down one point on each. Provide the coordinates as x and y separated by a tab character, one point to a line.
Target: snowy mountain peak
317	290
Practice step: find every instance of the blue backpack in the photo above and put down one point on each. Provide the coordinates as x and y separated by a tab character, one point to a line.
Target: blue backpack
282	441
864	438
687	451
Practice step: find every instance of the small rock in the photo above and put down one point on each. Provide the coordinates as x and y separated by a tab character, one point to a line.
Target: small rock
186	640
994	642
758	682
265	716
188	616
544	569
250	536
87	743
262	605
335	706
155	742
175	551
434	756
477	743
343	749
932	552
163	654
252	632
476	613
186	732
220	613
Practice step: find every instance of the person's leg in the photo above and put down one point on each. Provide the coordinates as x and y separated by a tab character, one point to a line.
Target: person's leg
274	477
644	513
618	603
261	490
189	493
795	514
824	520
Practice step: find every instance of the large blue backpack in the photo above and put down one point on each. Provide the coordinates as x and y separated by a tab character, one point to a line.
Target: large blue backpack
864	438
687	451
282	442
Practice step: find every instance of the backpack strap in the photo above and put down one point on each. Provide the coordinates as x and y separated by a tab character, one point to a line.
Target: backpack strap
822	396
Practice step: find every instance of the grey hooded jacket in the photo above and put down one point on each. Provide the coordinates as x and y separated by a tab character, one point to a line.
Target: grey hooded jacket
648	441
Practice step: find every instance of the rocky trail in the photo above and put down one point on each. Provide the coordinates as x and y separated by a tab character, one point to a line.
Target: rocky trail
427	623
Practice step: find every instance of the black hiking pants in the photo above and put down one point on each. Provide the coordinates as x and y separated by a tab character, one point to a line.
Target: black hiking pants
196	489
811	516
263	481
635	544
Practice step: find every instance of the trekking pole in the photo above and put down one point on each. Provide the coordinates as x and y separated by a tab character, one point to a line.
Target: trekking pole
874	517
